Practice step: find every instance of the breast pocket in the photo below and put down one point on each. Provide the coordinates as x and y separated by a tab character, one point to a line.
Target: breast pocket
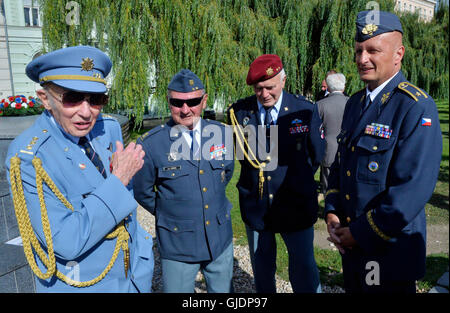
219	174
175	183
373	159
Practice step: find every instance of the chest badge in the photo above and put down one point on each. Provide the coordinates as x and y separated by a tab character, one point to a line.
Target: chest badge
245	121
373	166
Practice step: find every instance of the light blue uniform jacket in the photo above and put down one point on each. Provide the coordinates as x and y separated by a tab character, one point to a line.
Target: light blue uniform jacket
81	250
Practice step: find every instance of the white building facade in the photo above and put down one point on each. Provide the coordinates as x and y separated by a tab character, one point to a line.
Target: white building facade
20	42
424	8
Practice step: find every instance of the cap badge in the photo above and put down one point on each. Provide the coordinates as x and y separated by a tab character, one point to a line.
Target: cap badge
87	64
369	29
191	82
269	71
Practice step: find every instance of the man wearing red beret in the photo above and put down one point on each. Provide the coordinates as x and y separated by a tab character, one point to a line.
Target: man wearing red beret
277	191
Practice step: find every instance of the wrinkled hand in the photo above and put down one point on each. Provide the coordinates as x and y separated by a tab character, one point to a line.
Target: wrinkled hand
345	237
127	162
333	224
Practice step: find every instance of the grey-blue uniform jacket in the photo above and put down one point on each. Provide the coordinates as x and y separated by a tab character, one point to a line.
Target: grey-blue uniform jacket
289	200
382	179
81	250
187	197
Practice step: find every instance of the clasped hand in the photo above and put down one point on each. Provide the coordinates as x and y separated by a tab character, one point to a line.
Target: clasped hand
127	162
340	236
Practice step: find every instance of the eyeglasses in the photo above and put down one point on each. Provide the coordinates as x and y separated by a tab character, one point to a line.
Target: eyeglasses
190	102
74	98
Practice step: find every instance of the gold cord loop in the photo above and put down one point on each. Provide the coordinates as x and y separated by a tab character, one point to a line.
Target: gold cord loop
240	138
29	238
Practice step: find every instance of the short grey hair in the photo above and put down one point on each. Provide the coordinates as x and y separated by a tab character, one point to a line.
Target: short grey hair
335	82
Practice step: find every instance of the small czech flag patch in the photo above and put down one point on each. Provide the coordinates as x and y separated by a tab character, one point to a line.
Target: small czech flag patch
426	121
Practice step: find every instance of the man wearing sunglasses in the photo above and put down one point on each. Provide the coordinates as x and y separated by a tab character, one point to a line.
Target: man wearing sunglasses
83	217
186	170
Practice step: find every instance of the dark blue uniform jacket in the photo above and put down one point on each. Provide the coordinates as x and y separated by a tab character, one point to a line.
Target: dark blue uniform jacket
187	197
289	201
380	182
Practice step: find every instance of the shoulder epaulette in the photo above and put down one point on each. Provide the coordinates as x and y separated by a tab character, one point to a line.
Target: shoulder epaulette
34	143
107	116
411	90
152	131
216	122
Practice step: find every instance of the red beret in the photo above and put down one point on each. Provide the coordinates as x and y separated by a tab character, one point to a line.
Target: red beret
263	68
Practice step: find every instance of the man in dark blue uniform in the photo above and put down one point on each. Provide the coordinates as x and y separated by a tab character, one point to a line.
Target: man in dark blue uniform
386	168
186	170
277	191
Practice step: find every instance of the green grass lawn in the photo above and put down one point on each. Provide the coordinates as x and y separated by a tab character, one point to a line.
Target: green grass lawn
328	261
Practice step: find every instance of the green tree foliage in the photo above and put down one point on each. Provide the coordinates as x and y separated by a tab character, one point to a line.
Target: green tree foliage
150	40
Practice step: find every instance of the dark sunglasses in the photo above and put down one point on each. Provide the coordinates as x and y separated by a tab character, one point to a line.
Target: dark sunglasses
74	97
190	102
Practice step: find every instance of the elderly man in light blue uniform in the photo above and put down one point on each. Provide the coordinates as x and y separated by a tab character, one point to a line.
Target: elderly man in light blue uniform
188	164
79	227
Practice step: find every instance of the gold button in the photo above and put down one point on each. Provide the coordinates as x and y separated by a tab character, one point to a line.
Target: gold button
226	215
269	178
375	148
206	206
204	189
339	154
29	147
146	237
271	196
207	223
175	228
35	138
353	149
348	173
173	174
348	219
339	140
347	197
201	172
223	165
44	130
66	149
268	158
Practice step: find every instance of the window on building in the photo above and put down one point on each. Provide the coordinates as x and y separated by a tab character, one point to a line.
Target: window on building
31	16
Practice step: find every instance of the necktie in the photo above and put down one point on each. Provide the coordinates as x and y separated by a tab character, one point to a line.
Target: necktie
90	153
366	104
194	146
267	123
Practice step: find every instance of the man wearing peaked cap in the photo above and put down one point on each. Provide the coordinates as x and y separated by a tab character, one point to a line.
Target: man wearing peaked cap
93	242
187	167
386	168
277	191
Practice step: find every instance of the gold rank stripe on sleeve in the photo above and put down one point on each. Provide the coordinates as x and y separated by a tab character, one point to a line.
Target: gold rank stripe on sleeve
375	228
331	191
412	90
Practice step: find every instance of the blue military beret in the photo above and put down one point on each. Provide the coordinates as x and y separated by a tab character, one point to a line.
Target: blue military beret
80	68
372	23
185	81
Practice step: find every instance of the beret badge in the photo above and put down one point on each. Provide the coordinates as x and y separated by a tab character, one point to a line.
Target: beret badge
87	64
369	29
269	71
